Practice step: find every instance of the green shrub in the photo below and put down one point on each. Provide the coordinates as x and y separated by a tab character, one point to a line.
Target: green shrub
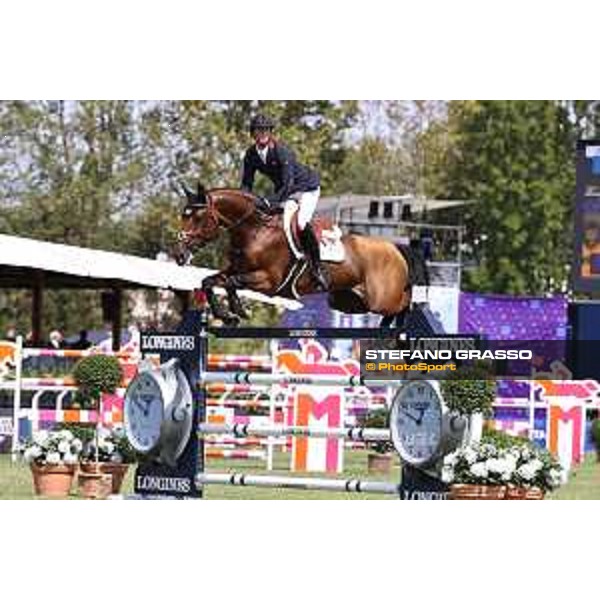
469	390
95	375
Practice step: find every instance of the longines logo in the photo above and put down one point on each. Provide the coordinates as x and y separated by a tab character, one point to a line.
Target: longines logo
168	342
151	483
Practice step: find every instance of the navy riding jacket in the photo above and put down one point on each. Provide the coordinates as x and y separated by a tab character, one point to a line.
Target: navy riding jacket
287	175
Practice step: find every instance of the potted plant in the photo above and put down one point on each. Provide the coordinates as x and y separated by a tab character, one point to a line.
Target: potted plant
380	457
596	436
94	376
536	473
477	472
501	469
470	392
52	457
110	453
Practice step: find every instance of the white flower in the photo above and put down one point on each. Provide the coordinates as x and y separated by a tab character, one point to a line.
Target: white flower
494	465
470	455
479	469
30	454
451	459
554	478
536	464
70	459
40	437
53	458
526	472
76	445
63	446
447	474
107	447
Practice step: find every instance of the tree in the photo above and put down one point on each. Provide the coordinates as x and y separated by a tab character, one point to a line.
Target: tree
516	161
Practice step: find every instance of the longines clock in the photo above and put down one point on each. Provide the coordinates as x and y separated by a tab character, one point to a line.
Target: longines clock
422	428
158	411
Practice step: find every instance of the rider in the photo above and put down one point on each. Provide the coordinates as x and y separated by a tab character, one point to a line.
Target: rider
275	160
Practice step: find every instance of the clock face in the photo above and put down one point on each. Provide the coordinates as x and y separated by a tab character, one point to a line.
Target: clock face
416	422
143	408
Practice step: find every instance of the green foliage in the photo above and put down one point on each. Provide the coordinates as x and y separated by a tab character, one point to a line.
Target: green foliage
95	375
596	433
82	431
377	419
503	440
470	390
515	160
110	445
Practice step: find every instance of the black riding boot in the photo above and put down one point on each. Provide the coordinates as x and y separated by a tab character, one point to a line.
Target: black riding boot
310	245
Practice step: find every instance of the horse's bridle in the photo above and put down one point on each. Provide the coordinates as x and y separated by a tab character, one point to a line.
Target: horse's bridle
214	220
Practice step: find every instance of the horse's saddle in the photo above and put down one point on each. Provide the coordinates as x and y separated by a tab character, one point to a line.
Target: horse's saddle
331	248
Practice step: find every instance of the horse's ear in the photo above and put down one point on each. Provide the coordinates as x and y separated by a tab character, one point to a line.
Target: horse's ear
188	193
201	194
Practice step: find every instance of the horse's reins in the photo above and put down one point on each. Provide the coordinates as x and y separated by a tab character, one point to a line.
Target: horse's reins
214	218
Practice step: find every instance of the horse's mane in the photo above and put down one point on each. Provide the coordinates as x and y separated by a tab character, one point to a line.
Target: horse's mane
243	193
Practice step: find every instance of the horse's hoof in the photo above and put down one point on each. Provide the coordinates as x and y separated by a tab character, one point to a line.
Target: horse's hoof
231	320
242	314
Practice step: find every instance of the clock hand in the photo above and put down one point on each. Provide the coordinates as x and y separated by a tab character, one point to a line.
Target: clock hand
410	415
139	404
422	413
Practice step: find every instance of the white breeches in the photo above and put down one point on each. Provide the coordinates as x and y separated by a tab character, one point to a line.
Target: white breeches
308	203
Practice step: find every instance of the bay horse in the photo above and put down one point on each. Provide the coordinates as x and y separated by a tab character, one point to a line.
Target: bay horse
374	276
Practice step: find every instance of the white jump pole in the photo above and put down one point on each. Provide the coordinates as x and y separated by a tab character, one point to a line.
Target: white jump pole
349	433
299	483
295	379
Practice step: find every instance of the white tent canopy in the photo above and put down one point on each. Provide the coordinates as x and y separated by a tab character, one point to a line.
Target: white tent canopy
18	254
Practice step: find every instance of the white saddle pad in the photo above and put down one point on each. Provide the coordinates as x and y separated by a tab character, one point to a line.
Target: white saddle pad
331	247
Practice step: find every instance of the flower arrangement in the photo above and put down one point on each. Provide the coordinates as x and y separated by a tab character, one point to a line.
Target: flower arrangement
59	447
112	446
520	465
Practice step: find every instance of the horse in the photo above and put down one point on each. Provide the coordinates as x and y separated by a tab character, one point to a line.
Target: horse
374	276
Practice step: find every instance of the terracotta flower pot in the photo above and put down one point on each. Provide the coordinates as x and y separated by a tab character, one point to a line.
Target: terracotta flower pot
521	493
52	480
117	471
379	463
467	491
94	485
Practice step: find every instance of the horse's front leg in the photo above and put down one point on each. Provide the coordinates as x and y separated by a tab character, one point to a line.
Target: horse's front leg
257	281
216	308
232	285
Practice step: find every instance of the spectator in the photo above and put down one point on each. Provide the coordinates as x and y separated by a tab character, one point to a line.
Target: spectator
83	343
56	340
